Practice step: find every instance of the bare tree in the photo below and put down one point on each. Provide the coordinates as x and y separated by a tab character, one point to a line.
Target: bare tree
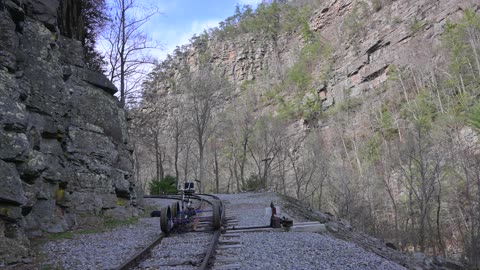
205	89
421	168
303	164
149	134
265	145
127	45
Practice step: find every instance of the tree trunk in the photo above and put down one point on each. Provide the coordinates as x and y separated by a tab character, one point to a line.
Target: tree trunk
242	164
176	158
157	156
229	179
439	231
217	179
236	176
122	53
201	166
187	159
320	197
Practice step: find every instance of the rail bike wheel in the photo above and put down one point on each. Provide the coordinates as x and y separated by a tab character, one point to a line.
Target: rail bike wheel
217	216
166	222
175	209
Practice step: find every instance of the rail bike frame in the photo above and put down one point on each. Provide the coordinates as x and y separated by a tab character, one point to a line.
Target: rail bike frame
181	214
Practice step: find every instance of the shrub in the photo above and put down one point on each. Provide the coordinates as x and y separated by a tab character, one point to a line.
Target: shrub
254	183
370	150
312	106
417	26
387	125
287	109
354	21
167	185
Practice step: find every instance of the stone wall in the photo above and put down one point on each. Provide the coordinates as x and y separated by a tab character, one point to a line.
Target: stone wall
64	154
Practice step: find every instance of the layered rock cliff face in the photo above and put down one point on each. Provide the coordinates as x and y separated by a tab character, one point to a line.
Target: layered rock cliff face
393	34
400	33
64	153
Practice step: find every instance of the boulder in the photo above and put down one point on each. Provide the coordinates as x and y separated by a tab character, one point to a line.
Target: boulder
12	190
12	116
86	203
109	201
33	167
71	54
91	145
12	213
96	79
55	172
101	109
8	42
44	11
14	146
47	217
13	243
122	185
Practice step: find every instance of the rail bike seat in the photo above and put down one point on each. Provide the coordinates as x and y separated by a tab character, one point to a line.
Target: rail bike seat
189	188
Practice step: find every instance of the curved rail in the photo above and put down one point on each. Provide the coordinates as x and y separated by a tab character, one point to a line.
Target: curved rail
141	255
216	236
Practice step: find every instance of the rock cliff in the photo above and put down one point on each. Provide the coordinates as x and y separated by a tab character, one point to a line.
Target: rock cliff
399	33
344	85
64	153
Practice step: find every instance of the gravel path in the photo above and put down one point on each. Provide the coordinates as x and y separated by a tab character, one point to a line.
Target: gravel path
181	251
100	250
289	250
103	250
259	250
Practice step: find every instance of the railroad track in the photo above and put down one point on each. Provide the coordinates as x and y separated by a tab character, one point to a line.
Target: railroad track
188	243
226	256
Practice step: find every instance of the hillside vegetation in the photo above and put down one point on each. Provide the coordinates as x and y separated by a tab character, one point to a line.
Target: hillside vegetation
286	98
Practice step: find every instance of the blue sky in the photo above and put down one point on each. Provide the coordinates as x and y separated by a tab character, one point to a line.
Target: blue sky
181	19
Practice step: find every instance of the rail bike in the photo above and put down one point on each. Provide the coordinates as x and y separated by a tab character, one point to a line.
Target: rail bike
183	213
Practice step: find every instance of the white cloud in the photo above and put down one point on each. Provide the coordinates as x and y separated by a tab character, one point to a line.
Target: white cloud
172	38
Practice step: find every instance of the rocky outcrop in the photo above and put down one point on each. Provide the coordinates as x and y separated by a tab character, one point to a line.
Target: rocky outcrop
393	34
396	33
64	153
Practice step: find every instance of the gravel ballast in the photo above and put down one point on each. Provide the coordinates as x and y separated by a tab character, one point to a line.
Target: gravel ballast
249	208
182	251
259	250
292	250
104	250
289	250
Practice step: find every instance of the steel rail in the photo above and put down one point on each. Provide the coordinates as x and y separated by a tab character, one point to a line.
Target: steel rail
211	250
142	254
216	235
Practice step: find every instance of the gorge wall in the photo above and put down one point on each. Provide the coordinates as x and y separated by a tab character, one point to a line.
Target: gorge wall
363	43
64	153
334	109
400	33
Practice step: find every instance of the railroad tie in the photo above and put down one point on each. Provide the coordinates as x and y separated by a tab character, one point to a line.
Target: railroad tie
227	267
226	255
